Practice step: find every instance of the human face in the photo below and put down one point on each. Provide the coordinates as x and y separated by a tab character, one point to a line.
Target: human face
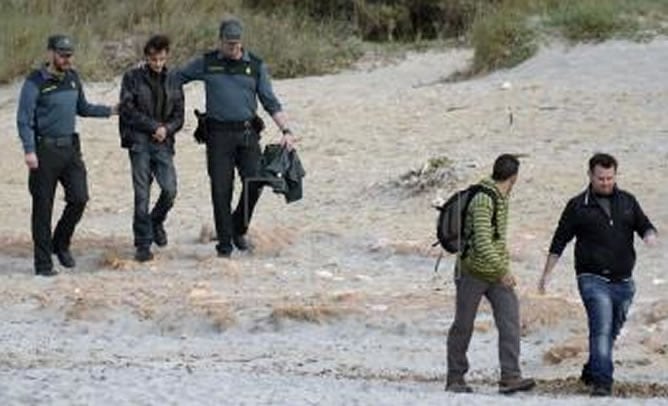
156	60
231	49
602	179
61	61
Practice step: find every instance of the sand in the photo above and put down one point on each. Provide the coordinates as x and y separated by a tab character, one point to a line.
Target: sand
340	304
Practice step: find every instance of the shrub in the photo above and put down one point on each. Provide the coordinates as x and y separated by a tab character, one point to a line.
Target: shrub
501	39
586	20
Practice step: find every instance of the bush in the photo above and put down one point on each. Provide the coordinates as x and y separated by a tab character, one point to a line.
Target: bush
302	37
110	36
586	20
501	39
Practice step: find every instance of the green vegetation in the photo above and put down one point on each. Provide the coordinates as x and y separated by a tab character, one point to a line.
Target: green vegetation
301	37
501	41
110	35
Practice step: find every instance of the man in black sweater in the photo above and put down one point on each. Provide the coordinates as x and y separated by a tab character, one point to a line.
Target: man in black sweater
151	112
603	220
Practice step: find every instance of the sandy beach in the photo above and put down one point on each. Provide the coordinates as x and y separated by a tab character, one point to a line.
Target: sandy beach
339	303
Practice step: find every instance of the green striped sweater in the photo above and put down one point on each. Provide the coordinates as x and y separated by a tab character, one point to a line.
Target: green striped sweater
486	258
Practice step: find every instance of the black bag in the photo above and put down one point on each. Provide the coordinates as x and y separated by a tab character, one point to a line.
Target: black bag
201	133
450	223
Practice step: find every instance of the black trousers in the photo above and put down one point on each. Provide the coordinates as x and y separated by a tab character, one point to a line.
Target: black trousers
58	162
225	151
149	161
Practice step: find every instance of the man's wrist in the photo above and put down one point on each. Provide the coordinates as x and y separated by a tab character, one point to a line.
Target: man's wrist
286	131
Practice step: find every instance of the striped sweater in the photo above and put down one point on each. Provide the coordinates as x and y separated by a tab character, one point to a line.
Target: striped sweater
486	258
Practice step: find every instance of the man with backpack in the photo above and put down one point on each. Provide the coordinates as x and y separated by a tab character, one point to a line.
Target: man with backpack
234	79
483	269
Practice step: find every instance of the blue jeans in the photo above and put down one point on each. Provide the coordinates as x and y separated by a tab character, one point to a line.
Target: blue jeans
607	304
151	161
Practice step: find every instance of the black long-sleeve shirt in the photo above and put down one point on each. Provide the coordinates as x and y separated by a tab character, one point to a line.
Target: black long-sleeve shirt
604	242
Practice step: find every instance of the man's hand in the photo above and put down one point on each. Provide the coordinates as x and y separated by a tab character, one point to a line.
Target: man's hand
31	160
509	280
160	134
288	141
650	239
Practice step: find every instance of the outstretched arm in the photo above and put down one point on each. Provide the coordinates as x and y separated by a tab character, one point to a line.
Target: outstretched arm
550	262
562	236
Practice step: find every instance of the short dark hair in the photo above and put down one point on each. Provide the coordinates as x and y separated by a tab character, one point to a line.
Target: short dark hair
156	43
505	167
604	160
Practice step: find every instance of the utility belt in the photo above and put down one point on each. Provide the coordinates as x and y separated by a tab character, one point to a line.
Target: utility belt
60	141
207	126
255	124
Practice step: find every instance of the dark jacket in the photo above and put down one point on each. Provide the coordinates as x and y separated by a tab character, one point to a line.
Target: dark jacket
604	243
137	119
283	171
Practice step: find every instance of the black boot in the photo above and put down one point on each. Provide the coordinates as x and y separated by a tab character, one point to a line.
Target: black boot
241	242
66	259
159	234
143	254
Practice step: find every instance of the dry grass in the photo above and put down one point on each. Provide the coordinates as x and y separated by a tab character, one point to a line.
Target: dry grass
573	386
658	312
113	260
656	343
311	313
570	349
212	306
419	248
539	312
87	306
21	246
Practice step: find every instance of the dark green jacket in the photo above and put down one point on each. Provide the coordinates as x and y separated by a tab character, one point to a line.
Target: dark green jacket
283	171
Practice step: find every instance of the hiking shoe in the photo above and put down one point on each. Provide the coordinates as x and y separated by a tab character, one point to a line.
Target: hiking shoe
143	254
46	272
241	242
66	259
601	390
510	386
159	235
458	387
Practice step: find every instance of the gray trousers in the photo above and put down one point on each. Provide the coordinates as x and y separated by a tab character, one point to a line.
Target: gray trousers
505	307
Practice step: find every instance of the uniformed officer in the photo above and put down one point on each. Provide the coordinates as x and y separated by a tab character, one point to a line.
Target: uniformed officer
234	80
51	98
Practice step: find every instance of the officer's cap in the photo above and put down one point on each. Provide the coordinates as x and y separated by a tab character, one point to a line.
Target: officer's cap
231	29
60	43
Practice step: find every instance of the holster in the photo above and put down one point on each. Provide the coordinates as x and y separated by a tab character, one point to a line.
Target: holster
201	133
